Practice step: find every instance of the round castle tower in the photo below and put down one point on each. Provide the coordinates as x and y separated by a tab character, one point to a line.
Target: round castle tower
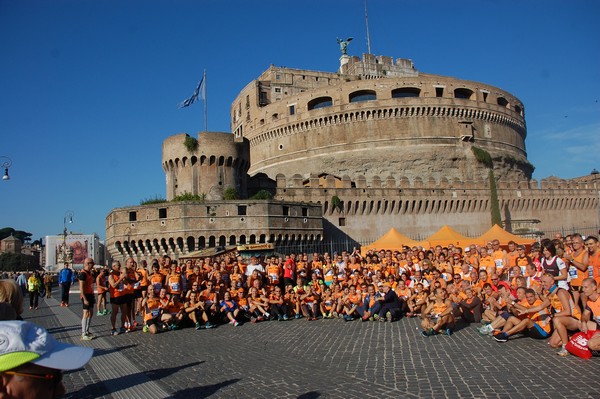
217	162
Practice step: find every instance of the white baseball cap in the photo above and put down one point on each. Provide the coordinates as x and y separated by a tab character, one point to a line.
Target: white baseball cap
24	342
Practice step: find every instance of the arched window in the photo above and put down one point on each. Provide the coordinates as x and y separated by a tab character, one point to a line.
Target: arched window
406	92
320	102
362	95
463	93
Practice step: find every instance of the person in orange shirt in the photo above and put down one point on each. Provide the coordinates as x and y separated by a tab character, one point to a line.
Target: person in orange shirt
152	311
278	306
174	283
536	323
102	288
593	247
470	308
578	260
116	287
512	254
309	303
438	316
590	319
565	315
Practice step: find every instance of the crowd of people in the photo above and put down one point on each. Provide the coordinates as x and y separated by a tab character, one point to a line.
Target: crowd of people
549	290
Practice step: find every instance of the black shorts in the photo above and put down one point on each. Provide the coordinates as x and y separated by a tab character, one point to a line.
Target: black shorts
137	294
152	322
91	302
118	300
127	299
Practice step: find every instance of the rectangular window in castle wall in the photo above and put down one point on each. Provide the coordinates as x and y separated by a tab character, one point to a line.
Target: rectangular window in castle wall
242	210
292	109
439	91
132	216
304	211
286	211
162	213
342	222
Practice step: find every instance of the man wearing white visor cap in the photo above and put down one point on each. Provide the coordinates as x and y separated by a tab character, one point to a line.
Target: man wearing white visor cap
32	361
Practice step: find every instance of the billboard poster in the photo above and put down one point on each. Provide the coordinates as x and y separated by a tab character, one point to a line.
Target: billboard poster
78	247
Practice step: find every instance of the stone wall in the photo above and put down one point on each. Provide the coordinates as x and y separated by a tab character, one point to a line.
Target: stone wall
368	208
177	228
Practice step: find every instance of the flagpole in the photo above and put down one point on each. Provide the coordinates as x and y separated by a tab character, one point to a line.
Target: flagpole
205	114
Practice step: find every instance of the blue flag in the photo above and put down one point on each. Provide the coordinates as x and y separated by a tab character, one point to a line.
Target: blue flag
199	94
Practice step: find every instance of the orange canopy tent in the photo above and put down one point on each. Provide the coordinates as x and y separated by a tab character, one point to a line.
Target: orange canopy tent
498	233
447	235
392	240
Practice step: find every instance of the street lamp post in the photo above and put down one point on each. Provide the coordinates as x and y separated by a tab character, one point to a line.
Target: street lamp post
66	254
5	162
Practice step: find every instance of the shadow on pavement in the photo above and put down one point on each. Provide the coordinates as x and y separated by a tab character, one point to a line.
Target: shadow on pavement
204	391
100	352
310	395
102	388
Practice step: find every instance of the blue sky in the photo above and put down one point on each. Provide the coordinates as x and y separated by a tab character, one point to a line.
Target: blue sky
89	89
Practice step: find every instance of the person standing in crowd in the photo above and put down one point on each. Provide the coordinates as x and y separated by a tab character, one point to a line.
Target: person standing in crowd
34	286
48	284
22	282
66	277
86	293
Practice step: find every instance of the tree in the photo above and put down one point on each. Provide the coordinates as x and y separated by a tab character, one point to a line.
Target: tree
21	235
10	262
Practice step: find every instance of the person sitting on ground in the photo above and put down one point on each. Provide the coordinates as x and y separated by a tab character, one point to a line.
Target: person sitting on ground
470	308
506	310
535	323
32	361
351	304
590	319
565	315
152	311
309	304
230	309
438	316
418	301
392	307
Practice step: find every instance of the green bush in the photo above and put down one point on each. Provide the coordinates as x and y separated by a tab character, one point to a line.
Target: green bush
336	202
190	197
230	193
152	200
190	143
262	195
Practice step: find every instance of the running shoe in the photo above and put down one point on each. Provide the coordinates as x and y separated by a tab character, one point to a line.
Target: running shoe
100	313
448	332
198	326
500	337
236	323
208	325
285	317
388	316
86	337
563	352
428	332
114	332
145	328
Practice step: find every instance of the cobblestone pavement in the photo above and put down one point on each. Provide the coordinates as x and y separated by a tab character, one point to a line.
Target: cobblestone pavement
316	359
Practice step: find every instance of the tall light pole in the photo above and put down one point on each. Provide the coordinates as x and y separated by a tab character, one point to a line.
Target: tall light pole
66	253
5	162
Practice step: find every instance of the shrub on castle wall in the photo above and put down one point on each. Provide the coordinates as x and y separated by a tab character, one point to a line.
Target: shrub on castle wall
153	200
190	197
230	193
190	143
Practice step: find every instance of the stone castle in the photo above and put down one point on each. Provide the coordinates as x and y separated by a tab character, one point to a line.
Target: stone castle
348	155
